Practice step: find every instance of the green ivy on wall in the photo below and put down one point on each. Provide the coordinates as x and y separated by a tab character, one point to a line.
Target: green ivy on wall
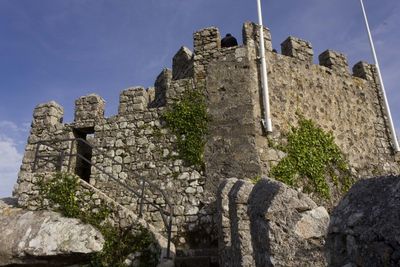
312	154
188	120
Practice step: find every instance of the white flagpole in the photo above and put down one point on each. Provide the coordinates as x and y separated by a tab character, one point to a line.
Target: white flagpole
392	129
267	123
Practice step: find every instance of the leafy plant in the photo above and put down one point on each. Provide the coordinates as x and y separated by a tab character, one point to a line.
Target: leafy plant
61	192
312	154
188	120
119	243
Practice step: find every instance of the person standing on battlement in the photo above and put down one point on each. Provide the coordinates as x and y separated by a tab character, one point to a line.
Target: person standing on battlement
229	41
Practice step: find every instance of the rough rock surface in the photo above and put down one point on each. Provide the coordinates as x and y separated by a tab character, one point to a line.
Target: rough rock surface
44	238
365	226
269	224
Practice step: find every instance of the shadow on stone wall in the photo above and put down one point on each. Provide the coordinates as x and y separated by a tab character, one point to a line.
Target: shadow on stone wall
259	228
269	224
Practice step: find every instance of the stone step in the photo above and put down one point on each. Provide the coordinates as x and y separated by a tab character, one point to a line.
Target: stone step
197	252
206	257
197	261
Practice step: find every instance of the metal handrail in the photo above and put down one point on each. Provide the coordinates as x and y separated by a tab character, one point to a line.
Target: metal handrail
62	154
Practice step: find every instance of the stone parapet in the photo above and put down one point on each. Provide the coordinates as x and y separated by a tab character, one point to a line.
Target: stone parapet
297	48
47	115
89	110
364	70
161	85
132	100
182	64
207	39
334	60
251	35
207	43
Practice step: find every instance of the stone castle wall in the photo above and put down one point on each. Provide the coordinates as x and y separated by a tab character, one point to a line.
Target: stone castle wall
134	143
349	105
137	143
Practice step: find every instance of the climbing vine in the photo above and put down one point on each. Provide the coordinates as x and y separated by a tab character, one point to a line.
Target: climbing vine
312	154
61	192
188	120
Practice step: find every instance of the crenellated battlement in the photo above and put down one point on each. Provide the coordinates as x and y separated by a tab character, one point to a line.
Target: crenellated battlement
186	64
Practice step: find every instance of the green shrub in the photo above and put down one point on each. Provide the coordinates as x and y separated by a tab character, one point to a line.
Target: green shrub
119	243
61	192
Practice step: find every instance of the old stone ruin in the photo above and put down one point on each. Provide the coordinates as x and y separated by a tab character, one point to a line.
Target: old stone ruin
215	213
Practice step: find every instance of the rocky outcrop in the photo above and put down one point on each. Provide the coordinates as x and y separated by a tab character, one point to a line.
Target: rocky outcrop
44	238
269	224
365	226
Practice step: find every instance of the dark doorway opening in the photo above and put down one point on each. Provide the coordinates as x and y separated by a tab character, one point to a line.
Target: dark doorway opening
82	166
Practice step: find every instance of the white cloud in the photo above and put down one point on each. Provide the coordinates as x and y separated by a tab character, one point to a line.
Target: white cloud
10	161
9	126
12	141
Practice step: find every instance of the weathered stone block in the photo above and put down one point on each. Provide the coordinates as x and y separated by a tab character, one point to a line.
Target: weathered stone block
161	85
334	60
44	238
251	35
133	99
206	39
182	64
297	48
363	70
47	115
89	110
269	224
365	226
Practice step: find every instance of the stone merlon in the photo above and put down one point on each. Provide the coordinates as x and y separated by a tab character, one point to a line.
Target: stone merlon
297	48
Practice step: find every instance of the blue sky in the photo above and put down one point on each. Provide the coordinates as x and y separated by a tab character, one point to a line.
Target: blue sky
63	49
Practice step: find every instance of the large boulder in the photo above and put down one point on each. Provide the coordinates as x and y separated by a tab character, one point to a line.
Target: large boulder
365	226
269	224
44	238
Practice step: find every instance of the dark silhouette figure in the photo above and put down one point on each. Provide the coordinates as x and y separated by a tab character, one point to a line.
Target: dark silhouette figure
229	41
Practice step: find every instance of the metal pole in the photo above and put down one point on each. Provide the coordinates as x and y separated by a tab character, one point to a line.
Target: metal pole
391	125
266	121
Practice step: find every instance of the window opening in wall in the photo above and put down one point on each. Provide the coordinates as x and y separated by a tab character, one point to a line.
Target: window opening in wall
82	167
